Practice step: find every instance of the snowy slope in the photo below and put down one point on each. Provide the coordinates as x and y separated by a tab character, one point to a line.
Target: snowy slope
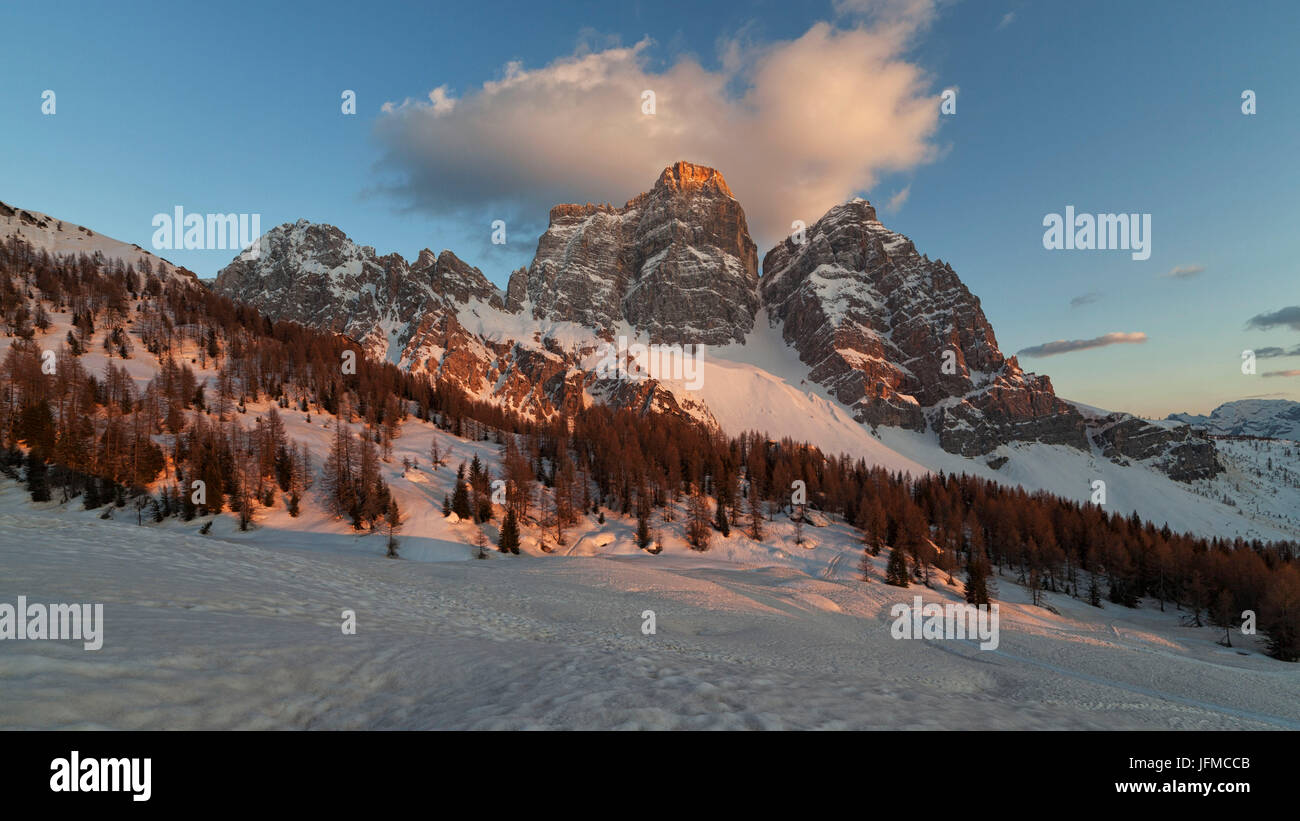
203	633
761	385
49	234
241	629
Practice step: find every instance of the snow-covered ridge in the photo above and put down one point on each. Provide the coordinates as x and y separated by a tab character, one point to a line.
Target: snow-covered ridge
1265	418
59	238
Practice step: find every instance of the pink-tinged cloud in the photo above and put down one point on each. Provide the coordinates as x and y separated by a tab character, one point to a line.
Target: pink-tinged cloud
1061	346
1281	373
796	127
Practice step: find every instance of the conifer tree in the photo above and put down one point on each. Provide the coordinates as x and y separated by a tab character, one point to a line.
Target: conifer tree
720	519
977	584
643	519
460	495
508	540
37	478
392	524
896	570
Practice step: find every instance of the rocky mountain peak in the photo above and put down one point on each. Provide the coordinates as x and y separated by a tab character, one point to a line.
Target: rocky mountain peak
314	274
903	342
686	177
675	262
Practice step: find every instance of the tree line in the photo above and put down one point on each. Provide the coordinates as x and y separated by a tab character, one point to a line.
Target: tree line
68	431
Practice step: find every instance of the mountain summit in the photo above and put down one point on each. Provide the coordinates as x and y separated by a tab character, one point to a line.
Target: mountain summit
676	263
900	339
894	336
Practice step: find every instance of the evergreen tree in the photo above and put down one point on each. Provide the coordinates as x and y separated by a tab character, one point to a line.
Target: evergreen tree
1280	615
37	478
392	524
720	519
1094	593
460	495
896	570
643	520
90	499
508	540
977	585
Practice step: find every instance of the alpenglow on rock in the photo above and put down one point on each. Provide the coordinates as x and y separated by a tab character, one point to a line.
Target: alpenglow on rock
901	340
676	263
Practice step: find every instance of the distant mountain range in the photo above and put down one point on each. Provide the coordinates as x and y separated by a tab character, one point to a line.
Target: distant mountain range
1267	418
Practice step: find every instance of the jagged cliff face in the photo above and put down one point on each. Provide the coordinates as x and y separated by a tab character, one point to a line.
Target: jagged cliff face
412	314
899	339
315	275
893	335
676	263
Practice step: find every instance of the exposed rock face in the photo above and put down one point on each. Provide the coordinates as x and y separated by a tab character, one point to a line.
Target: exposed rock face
899	338
1265	418
315	275
896	337
414	314
676	263
1178	451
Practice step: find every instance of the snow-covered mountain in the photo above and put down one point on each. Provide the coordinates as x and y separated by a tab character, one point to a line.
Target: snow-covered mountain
1265	418
315	275
887	335
58	237
900	339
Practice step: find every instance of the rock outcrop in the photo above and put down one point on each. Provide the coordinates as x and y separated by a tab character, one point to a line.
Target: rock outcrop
900	339
675	263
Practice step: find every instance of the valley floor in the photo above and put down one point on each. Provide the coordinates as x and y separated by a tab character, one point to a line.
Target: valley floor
203	632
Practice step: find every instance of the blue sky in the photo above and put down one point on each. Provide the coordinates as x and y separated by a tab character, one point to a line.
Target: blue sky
1116	107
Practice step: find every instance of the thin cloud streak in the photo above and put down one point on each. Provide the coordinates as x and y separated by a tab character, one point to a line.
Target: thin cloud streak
1288	317
1061	346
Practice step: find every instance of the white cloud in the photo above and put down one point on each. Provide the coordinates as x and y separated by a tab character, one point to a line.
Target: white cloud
795	127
